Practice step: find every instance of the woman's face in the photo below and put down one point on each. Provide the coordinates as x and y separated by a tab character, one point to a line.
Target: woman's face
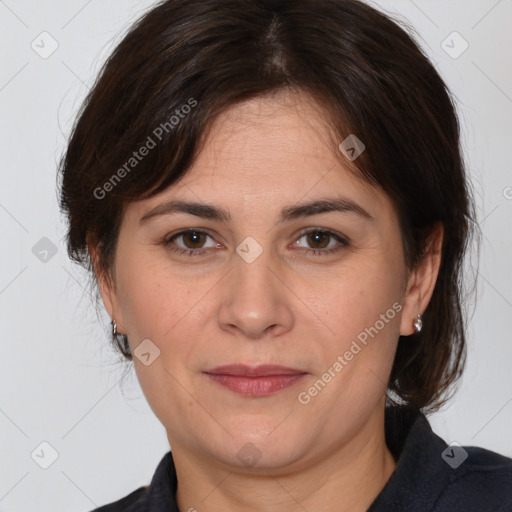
251	287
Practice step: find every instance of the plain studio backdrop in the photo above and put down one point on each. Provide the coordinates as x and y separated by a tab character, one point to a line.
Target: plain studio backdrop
61	393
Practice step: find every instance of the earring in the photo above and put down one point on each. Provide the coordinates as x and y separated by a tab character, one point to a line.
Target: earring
123	345
418	323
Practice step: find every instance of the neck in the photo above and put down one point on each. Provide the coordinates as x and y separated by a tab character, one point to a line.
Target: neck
344	478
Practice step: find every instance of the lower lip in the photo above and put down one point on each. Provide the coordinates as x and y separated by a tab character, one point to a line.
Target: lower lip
256	386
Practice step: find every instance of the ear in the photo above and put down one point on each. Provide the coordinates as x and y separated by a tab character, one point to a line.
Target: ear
106	285
422	281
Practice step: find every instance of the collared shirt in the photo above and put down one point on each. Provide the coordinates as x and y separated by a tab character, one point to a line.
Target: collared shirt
430	476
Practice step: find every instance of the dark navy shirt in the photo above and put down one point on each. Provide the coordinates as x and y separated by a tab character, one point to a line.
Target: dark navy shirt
430	476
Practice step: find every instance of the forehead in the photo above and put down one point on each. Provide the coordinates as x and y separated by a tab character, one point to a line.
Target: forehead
280	147
286	126
268	152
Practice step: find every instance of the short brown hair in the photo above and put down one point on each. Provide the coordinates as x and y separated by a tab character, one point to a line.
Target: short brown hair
367	71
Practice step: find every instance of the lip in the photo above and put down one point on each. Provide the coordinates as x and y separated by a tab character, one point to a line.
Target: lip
262	370
260	380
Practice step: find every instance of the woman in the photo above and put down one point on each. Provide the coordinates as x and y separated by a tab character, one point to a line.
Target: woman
272	199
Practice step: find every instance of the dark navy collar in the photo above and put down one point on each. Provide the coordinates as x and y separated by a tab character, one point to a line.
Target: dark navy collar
420	474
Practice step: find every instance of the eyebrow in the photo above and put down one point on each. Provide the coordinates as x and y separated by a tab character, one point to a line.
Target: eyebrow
288	213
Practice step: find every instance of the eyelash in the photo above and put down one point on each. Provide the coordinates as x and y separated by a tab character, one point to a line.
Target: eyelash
199	252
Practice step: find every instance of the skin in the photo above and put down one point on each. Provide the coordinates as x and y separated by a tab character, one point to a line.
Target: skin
287	307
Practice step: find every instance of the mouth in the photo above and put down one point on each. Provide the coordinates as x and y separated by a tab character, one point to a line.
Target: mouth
260	380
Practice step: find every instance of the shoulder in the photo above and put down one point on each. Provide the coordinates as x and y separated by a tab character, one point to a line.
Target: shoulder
432	476
483	481
159	495
127	504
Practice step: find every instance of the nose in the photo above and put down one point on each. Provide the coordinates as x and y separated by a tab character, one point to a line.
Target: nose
256	301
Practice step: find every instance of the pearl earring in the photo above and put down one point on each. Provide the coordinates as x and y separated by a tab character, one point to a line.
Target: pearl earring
418	323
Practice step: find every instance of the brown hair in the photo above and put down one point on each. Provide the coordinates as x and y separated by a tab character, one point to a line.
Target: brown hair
357	62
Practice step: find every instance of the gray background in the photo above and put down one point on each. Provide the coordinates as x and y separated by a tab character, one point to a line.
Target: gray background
61	383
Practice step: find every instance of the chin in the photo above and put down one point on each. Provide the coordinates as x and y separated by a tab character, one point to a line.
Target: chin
260	444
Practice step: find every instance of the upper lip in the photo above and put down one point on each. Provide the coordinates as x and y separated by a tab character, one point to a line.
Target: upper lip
254	371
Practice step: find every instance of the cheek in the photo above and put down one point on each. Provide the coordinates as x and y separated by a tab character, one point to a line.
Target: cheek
362	310
161	308
355	298
168	306
143	302
361	307
153	299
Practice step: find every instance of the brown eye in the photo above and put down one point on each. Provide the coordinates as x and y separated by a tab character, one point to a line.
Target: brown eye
322	242
319	239
191	241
